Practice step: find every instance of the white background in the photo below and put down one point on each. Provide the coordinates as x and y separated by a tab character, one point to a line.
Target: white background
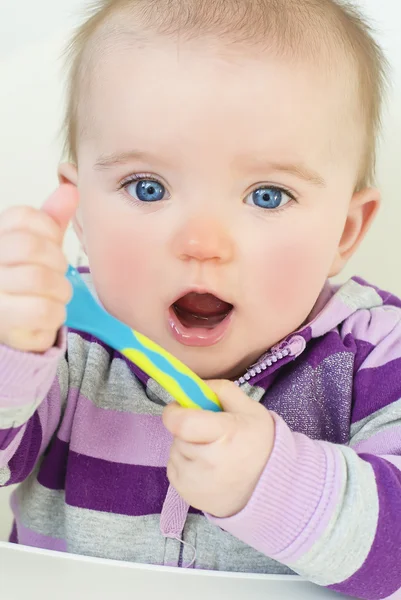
32	35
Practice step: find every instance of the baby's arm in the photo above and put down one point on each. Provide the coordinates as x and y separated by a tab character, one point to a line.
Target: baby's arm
34	293
33	389
331	512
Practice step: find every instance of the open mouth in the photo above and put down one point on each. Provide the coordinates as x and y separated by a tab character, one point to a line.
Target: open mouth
200	319
201	310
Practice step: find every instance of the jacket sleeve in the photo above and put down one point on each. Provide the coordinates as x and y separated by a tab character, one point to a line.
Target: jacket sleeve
33	390
329	512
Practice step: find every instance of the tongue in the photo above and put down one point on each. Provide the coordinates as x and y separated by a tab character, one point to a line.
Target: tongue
203	305
201	310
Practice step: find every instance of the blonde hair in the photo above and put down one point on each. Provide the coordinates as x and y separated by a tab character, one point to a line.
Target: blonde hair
314	27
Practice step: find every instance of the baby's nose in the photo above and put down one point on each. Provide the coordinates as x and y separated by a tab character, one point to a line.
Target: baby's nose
203	239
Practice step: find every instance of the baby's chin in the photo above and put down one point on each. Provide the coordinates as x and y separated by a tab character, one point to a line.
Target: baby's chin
220	361
209	365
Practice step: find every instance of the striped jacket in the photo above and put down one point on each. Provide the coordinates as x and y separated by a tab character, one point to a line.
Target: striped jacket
81	431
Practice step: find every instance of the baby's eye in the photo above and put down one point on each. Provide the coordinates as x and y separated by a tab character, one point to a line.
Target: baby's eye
269	197
146	190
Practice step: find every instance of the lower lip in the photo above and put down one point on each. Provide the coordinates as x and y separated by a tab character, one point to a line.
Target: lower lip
198	337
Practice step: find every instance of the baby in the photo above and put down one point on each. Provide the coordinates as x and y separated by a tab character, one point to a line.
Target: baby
221	160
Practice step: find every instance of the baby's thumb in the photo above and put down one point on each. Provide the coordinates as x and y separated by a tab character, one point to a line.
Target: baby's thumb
62	205
232	399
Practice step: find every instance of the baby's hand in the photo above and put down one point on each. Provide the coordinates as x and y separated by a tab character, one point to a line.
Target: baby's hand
33	288
217	459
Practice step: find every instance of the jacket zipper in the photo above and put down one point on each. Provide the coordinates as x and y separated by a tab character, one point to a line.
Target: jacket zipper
294	347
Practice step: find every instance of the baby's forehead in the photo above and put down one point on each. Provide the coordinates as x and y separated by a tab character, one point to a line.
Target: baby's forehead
146	79
297	35
328	35
119	45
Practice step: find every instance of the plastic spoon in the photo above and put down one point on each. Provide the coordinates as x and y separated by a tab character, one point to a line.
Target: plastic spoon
84	313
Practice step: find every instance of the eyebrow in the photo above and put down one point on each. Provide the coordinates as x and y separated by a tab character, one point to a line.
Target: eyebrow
108	161
297	169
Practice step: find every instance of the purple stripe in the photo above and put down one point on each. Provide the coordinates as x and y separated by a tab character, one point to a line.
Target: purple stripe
65	429
376	388
27	537
382	330
116	436
387	441
320	349
8	453
114	354
393	460
395	596
116	488
363	349
335	312
390	300
306	334
326	506
25	377
49	413
22	463
53	470
13	539
380	575
8	435
266	378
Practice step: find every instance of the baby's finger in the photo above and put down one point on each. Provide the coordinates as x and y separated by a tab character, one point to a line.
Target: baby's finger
35	280
24	247
30	313
197	426
31	341
62	205
189	451
27	218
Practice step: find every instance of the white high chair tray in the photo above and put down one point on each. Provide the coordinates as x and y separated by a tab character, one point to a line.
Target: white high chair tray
41	574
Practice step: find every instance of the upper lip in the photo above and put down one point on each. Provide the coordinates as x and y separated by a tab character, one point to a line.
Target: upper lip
198	289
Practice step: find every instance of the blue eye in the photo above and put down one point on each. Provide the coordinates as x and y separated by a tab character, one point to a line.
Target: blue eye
146	190
269	197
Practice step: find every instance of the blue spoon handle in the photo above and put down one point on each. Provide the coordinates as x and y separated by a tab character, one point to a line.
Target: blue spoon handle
85	314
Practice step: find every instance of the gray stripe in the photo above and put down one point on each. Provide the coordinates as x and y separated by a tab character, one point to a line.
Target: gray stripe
218	550
352	528
139	539
40	509
157	394
379	421
63	380
5	475
119	537
136	539
109	384
357	296
254	392
15	417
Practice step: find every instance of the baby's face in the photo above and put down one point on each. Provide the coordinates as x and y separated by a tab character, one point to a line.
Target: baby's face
210	173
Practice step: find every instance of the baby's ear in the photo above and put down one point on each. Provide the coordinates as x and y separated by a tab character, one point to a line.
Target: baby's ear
361	214
68	173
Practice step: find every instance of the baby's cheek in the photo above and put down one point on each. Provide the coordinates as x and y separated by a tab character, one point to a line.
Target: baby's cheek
296	276
122	265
